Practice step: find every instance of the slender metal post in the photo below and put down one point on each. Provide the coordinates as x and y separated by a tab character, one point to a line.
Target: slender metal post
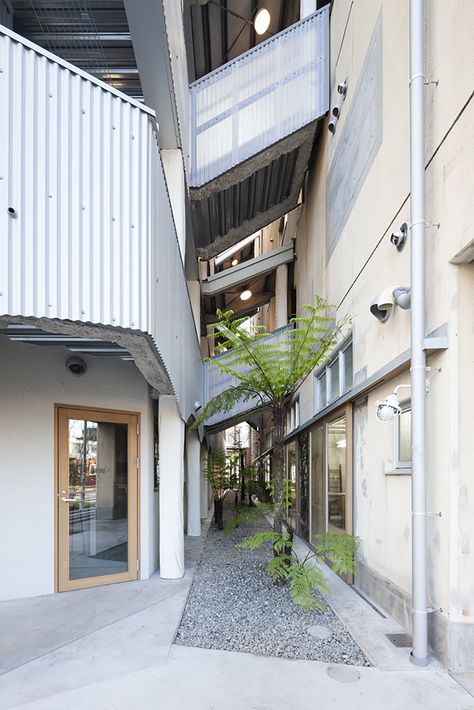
419	654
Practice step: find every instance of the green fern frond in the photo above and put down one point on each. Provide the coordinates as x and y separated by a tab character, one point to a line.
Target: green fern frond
303	581
340	549
279	567
258	539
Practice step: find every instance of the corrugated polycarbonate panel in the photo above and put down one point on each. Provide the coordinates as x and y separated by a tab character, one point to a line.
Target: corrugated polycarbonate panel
74	163
259	98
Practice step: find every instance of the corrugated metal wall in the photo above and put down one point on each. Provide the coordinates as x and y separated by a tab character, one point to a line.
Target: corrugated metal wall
259	98
91	237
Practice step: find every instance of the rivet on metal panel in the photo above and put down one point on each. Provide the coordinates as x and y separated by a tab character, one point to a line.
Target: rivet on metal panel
1	293
113	319
83	313
113	219
83	207
50	196
132	323
113	128
133	138
83	111
132	226
50	96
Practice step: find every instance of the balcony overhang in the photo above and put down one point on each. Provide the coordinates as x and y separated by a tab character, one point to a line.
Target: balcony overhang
254	122
248	271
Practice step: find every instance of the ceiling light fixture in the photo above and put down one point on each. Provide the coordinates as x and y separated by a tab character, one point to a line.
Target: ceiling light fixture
235	262
262	21
245	295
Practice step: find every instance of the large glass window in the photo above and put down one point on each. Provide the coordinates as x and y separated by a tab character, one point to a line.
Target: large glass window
335	379
336	472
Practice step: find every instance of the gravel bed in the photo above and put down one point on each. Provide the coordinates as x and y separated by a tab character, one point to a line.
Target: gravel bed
234	606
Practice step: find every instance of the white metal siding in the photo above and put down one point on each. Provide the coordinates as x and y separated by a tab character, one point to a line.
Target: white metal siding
260	97
92	238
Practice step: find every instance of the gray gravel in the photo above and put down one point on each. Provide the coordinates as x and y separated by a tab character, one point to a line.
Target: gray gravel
234	606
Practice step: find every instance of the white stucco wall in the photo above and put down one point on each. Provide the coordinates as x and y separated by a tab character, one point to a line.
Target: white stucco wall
32	380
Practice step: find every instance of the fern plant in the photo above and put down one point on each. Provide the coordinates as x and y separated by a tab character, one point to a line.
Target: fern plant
305	576
271	371
221	475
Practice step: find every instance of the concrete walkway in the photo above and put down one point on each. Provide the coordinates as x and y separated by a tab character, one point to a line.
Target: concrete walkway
111	648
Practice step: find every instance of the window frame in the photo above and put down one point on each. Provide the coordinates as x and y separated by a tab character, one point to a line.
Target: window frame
325	372
399	464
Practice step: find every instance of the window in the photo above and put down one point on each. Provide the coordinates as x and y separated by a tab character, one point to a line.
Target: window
403	437
293	417
335	379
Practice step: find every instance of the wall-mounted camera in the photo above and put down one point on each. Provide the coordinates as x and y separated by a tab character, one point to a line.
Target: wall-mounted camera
76	366
337	107
400	237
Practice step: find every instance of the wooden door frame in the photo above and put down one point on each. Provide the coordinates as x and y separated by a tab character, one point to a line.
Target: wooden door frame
61	412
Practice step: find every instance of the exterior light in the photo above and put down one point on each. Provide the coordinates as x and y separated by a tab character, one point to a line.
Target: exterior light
245	295
262	21
389	408
235	262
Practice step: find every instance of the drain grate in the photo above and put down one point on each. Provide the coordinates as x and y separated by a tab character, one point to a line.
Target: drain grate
400	640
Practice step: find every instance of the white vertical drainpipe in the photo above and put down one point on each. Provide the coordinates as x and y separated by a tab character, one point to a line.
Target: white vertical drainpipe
419	655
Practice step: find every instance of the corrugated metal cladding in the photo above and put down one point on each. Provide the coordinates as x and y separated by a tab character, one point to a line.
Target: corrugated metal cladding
259	98
226	210
171	316
83	206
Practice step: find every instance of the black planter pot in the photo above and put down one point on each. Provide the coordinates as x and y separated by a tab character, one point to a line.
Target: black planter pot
219	514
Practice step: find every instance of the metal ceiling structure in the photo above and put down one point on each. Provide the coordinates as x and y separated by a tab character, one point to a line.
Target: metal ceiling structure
91	34
221	30
25	333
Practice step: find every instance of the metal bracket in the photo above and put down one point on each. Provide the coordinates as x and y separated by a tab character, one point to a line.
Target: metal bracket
430	609
436	515
433	81
430	225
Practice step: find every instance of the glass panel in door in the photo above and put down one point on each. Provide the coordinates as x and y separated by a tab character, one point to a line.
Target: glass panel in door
337	474
98	515
97	498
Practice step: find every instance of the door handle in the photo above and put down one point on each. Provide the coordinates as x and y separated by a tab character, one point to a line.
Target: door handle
68	500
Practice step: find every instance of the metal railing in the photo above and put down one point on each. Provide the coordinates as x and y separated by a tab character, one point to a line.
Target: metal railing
260	97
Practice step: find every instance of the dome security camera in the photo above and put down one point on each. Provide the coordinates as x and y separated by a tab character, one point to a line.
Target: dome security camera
400	237
388	409
76	366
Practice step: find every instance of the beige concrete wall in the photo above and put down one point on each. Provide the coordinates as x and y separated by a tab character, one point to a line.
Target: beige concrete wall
364	262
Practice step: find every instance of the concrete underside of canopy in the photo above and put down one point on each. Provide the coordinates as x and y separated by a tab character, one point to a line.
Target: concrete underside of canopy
252	194
139	345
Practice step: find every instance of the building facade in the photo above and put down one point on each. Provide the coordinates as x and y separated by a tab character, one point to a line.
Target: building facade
167	178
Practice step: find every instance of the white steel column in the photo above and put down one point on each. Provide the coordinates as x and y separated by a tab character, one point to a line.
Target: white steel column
307	7
193	456
171	442
419	654
281	296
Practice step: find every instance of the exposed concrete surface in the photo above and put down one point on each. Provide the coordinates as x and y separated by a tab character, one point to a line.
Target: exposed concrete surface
207	680
110	648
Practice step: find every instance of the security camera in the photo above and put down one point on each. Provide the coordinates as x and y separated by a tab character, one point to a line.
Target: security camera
388	409
381	307
399	237
336	110
76	366
342	88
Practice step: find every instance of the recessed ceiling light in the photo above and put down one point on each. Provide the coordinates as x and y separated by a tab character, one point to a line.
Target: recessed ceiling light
235	262
262	21
245	295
